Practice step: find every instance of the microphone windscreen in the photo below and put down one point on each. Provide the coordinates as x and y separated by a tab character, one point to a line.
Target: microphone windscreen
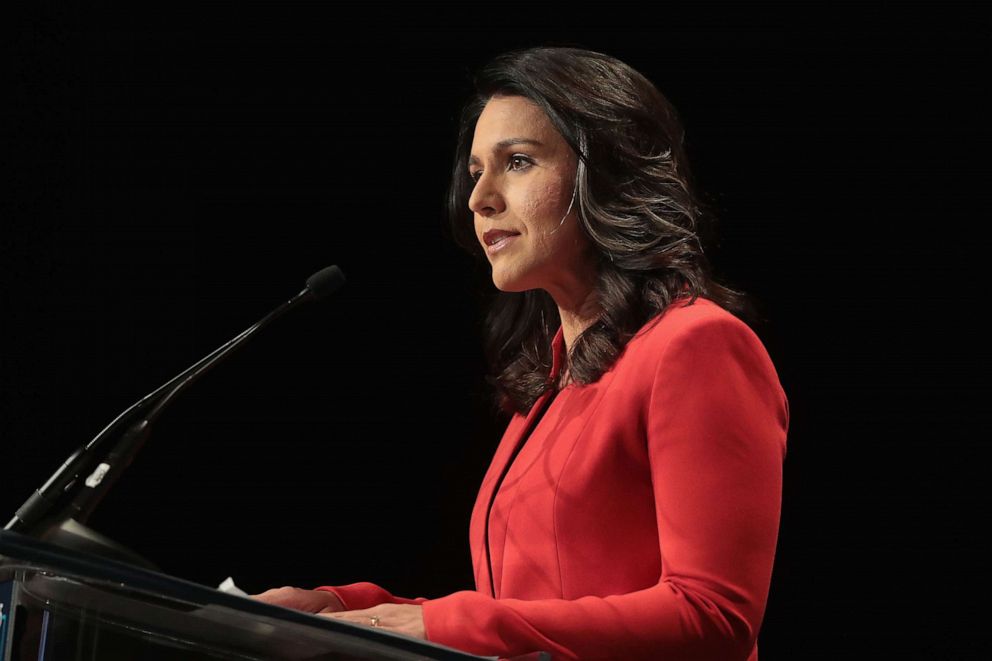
325	281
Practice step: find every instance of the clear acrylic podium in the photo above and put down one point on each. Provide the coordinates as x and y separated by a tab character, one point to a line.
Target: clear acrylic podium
57	605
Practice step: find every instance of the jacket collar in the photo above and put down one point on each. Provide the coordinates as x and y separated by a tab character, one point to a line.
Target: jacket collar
557	354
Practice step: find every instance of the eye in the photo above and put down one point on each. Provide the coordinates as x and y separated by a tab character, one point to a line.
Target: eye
515	158
518	157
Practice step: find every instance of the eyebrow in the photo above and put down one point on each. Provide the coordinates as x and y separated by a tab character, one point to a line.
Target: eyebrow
503	144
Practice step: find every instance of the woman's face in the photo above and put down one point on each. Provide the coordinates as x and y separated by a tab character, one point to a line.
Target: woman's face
525	177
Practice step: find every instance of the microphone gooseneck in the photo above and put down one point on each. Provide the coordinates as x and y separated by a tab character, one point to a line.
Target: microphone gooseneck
59	507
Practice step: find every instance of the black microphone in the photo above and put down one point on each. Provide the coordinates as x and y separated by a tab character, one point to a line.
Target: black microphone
57	510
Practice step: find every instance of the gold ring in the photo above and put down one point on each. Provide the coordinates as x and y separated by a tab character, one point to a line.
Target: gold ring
375	620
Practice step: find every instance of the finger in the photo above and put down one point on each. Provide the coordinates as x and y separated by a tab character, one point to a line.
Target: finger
271	592
341	616
363	620
336	616
359	613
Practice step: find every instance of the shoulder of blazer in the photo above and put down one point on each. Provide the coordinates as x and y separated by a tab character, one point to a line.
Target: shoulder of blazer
699	329
680	316
681	321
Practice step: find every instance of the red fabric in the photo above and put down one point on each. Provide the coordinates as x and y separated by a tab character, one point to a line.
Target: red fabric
640	518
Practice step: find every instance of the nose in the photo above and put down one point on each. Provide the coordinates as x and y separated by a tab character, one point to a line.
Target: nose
486	199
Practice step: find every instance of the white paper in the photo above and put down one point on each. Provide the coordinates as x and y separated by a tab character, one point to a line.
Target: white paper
228	586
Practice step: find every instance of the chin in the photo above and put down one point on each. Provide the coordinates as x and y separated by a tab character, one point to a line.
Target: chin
516	287
505	287
514	279
509	285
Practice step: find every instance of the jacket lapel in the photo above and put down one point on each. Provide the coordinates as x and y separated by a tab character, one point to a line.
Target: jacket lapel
517	431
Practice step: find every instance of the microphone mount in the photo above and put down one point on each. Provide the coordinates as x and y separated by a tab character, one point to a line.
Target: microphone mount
59	509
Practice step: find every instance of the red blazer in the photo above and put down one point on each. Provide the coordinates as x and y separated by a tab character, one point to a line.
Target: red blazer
640	518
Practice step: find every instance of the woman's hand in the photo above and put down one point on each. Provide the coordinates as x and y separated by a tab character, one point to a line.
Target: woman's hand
407	619
309	601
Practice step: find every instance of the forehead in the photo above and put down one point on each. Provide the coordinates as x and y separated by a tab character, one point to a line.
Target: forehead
511	118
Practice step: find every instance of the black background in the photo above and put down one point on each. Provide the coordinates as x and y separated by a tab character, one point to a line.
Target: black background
175	175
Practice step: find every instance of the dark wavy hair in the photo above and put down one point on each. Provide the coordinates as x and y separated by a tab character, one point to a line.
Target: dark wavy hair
636	203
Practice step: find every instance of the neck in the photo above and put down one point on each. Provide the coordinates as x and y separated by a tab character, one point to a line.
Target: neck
575	293
575	319
573	322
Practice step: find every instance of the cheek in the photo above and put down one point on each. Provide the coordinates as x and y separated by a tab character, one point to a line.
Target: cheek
542	204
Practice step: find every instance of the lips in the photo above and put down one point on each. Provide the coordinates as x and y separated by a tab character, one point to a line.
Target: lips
500	241
492	236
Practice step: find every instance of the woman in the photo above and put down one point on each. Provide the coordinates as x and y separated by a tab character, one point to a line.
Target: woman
631	510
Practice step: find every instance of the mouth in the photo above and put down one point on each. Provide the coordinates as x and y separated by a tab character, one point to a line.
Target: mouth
493	237
497	240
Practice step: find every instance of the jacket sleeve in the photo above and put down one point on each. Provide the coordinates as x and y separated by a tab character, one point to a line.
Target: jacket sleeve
716	423
359	596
